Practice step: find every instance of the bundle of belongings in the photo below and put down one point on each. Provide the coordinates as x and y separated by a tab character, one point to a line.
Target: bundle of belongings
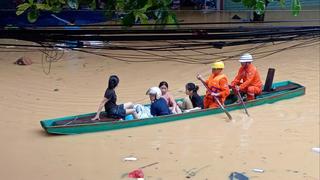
142	111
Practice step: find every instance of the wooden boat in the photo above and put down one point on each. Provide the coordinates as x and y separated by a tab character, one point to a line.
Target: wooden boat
82	123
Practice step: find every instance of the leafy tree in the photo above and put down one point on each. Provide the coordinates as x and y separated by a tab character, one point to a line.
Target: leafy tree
131	11
259	6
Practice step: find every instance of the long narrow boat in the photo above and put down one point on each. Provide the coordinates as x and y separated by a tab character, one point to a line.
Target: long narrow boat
83	124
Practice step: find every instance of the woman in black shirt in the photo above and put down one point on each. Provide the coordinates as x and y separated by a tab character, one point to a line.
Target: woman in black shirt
109	102
194	100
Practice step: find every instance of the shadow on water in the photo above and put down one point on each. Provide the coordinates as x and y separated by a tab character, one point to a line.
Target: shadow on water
41	132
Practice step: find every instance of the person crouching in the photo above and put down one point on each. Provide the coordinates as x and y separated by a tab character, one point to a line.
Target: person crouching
159	105
248	78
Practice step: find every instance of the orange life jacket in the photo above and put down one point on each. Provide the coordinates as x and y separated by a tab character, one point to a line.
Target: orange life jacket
218	84
250	77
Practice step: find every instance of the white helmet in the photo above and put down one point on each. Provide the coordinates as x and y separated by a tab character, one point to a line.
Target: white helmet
246	58
155	91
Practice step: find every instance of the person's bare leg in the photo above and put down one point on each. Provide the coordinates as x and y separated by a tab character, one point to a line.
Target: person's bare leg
133	112
178	110
172	110
128	105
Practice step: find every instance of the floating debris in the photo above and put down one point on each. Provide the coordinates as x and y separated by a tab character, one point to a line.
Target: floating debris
316	149
258	170
148	165
23	61
193	172
136	174
130	159
238	176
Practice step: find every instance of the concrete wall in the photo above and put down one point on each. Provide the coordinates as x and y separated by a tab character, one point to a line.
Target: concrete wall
306	4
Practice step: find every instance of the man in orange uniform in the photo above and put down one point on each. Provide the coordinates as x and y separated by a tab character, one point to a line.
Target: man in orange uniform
251	83
218	84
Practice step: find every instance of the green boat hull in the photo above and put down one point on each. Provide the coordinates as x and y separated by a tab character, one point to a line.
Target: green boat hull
52	125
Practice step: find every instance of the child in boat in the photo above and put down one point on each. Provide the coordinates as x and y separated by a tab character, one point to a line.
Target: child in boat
169	98
159	105
109	102
193	101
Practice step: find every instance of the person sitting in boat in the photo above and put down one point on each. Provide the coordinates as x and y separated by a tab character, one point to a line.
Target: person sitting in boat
193	101
218	85
248	78
159	105
164	87
109	102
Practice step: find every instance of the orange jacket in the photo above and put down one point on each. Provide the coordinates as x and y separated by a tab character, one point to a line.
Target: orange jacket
250	77
218	84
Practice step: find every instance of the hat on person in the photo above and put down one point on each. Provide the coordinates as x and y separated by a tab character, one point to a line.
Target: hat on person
246	58
217	65
154	91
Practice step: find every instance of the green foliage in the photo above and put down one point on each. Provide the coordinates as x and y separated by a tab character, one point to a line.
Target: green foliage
296	7
130	11
22	8
73	4
93	4
128	20
43	7
33	9
33	15
282	3
259	6
141	11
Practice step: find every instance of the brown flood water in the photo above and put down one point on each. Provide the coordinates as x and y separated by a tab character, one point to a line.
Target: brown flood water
277	137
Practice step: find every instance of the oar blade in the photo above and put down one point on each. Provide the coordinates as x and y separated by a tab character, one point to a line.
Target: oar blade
228	114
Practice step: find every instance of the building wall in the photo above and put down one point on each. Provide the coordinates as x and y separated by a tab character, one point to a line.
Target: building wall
306	4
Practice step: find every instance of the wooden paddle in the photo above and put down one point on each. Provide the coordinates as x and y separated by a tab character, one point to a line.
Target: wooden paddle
241	100
217	100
